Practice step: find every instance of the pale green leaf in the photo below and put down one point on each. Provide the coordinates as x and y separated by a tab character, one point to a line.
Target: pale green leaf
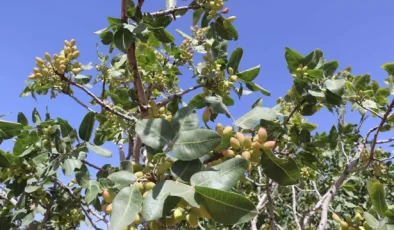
155	133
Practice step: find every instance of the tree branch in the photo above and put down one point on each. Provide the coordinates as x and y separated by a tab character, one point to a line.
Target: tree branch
297	221
96	99
271	206
176	9
92	165
122	156
81	103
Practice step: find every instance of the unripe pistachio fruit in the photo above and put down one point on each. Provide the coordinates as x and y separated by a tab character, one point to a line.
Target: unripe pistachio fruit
262	134
206	115
247	143
227	130
108	195
234	143
269	145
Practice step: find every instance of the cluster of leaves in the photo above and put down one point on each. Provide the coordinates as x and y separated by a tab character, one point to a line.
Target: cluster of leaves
271	169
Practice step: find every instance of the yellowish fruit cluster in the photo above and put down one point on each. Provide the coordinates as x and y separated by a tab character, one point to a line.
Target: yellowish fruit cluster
213	6
57	64
349	223
188	54
248	148
190	214
155	112
301	71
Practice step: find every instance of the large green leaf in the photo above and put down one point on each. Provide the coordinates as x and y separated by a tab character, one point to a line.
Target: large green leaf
235	59
122	178
372	221
226	207
176	189
125	207
99	150
92	190
155	207
86	127
377	195
283	171
183	170
333	98
193	144
329	68
163	36
123	38
9	129
69	165
223	176
249	74
155	133
389	67
185	119
65	128
249	120
227	32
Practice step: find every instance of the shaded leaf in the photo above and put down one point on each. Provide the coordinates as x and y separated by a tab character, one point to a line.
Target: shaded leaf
235	59
183	170
92	190
155	133
185	119
249	120
223	176
86	127
282	171
226	207
99	150
249	74
122	39
194	144
377	196
122	177
22	119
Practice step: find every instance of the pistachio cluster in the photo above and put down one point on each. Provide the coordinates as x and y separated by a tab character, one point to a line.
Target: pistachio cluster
213	6
20	172
68	218
301	71
349	223
307	173
155	112
187	55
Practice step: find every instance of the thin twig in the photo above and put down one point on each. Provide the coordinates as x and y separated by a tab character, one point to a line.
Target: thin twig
271	206
81	103
297	221
92	165
371	111
83	204
96	99
170	98
130	148
176	9
385	141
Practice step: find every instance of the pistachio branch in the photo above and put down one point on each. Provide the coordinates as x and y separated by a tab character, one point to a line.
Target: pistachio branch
297	221
170	98
96	99
92	165
192	6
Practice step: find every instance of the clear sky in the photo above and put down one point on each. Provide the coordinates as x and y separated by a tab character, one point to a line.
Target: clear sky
356	33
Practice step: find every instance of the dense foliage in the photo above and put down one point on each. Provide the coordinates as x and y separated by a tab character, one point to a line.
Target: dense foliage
181	170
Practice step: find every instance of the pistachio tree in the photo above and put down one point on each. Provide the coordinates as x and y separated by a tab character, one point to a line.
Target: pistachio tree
179	167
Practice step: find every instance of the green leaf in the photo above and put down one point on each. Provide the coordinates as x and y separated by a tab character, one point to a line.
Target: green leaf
31	188
329	68
219	49
184	170
389	67
185	119
36	118
293	59
215	103
390	81
377	196
198	101
383	92
9	129
157	22
335	86
22	119
86	127
372	221
4	162
282	171
125	207
227	31
226	207
123	38
194	144
235	59
122	178
155	133
82	178
163	36
92	190
223	176
83	79
69	166
255	87
114	22
99	150
249	74
177	189
197	15
106	37
153	207
65	128
312	59
249	120
332	98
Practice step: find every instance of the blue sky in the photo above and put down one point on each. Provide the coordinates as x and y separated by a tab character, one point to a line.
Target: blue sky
356	33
